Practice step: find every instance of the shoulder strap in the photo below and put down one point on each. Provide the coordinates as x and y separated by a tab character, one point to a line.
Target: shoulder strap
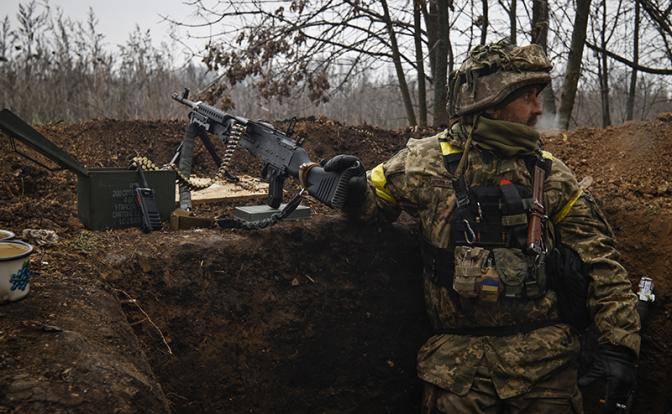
451	159
545	161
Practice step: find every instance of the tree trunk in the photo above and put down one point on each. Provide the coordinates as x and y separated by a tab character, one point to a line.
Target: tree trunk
396	58
539	36
422	92
451	56
630	108
441	70
484	22
573	63
431	22
604	70
513	22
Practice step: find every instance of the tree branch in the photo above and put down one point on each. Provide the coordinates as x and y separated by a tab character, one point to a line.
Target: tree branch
655	71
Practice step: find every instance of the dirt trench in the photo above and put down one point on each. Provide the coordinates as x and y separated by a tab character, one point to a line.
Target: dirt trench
306	317
315	317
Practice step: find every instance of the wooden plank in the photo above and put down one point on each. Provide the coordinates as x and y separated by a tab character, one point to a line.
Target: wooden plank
248	187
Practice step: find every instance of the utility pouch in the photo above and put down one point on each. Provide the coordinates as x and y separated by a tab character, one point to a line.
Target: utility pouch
569	279
520	279
513	269
469	266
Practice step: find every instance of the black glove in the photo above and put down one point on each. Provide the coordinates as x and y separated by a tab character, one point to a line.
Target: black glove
616	366
357	185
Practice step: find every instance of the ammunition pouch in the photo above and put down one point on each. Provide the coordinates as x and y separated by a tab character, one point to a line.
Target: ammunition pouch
484	274
569	279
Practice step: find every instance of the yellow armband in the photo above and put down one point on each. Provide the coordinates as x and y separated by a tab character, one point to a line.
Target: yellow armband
380	184
567	207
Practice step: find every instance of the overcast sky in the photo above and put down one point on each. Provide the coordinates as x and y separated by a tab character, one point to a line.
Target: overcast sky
117	18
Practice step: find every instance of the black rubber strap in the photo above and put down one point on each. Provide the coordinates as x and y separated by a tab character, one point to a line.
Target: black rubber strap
500	331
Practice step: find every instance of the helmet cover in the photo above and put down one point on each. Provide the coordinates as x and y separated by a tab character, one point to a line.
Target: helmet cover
493	72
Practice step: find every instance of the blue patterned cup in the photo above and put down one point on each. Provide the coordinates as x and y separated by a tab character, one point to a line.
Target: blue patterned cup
14	270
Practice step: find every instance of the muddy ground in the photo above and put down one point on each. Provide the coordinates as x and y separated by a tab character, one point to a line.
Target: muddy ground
316	316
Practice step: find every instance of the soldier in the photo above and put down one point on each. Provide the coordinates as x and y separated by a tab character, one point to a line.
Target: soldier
501	303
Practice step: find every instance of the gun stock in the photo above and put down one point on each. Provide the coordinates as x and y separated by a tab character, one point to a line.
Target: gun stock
535	242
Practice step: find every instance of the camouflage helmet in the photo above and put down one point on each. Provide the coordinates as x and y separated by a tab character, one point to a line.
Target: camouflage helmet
493	72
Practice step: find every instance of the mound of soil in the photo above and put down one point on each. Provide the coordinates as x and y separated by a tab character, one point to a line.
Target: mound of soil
312	316
631	166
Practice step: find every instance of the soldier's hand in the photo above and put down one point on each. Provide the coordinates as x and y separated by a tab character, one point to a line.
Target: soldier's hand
616	366
356	188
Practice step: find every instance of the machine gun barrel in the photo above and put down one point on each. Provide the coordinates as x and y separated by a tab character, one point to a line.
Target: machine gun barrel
206	110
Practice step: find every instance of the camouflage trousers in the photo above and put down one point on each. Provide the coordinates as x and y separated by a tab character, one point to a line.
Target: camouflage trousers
557	394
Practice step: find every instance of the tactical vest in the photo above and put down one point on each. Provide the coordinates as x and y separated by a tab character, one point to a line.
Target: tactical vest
487	259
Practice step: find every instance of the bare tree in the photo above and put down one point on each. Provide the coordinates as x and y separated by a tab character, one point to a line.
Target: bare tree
440	74
354	60
573	71
512	11
396	58
484	21
290	49
419	59
55	68
539	35
603	68
662	19
630	107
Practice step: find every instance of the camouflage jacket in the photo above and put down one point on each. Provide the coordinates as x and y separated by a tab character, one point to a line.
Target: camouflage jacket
415	180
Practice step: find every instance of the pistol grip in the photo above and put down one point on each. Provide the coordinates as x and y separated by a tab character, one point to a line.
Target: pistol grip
276	181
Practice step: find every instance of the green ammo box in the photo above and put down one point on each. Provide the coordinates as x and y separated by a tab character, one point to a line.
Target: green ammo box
105	197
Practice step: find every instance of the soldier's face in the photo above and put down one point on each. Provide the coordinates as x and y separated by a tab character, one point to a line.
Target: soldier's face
525	109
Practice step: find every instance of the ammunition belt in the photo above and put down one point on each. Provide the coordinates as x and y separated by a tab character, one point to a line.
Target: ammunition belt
198	183
193	183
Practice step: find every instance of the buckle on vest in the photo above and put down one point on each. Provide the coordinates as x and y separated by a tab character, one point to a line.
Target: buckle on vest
462	200
532	289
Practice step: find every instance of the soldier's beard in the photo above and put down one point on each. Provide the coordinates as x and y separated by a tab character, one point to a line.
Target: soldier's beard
532	121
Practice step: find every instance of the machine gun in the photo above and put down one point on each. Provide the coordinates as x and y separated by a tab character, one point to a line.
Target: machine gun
281	156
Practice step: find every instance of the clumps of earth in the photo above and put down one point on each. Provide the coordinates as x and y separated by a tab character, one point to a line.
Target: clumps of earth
308	316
